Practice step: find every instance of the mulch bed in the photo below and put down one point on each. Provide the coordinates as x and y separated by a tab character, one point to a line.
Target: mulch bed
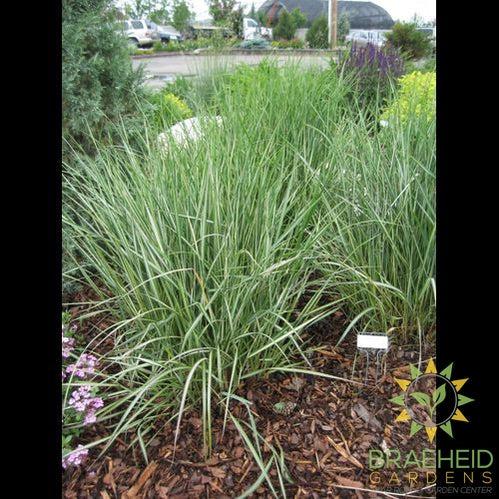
326	436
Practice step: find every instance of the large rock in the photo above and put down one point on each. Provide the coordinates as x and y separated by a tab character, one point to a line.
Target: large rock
187	131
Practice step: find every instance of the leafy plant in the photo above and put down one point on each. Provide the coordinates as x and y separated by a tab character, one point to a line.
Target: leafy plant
380	223
295	43
412	42
79	401
221	10
160	12
257	44
214	257
215	42
235	22
182	87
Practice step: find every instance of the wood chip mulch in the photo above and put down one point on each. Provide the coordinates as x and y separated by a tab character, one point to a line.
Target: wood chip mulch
325	435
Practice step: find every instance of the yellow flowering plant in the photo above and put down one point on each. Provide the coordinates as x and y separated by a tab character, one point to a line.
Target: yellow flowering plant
416	97
170	109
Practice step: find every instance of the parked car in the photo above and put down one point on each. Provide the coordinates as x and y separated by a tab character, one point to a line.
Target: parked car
166	33
196	31
176	37
139	33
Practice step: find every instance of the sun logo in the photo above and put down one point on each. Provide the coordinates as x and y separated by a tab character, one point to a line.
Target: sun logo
424	393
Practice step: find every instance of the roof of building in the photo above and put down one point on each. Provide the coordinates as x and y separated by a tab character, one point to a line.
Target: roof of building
362	15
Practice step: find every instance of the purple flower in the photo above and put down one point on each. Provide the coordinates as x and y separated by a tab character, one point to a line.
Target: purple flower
373	68
67	344
75	458
82	401
84	367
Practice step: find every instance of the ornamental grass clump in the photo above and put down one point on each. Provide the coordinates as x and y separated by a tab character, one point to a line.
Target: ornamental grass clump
380	225
207	250
215	257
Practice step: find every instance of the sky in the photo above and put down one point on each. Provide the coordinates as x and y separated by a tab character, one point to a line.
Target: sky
402	10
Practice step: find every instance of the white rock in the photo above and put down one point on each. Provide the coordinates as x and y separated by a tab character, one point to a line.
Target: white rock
186	131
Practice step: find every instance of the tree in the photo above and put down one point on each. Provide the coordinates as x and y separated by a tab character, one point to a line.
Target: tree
221	10
262	18
317	35
299	18
236	21
160	13
252	13
181	15
138	9
285	29
343	27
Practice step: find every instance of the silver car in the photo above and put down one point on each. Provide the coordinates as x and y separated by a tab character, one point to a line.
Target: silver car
139	33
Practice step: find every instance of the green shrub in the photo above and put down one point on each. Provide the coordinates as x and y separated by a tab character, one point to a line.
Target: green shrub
285	29
99	87
428	65
409	40
135	51
98	82
158	46
317	35
416	98
214	42
295	43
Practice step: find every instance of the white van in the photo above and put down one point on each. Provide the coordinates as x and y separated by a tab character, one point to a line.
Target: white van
252	30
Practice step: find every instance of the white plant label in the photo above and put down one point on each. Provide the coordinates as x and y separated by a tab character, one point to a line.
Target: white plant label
374	341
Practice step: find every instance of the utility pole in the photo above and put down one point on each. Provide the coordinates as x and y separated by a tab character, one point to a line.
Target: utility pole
333	23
